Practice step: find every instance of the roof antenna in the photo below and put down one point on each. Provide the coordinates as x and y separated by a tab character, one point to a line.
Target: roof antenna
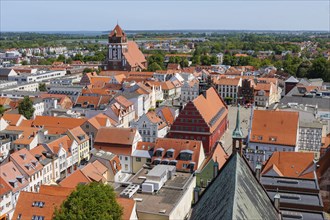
117	21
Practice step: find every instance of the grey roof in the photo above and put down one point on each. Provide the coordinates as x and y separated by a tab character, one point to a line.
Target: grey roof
310	124
235	194
298	198
4	71
285	182
323	103
292	80
159	170
294	215
142	153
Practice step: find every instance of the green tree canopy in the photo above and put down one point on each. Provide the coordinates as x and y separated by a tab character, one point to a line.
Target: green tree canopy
2	110
42	87
92	201
154	66
320	69
26	107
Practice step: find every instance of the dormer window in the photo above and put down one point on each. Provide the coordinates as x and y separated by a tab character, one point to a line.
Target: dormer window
159	152
170	153
173	162
156	162
20	179
13	183
165	162
27	166
23	156
186	155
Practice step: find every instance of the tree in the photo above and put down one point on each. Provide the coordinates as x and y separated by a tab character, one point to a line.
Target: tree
2	110
88	70
42	87
26	108
90	201
60	58
24	62
320	69
154	66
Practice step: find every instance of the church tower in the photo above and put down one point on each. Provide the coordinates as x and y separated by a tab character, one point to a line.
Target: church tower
117	46
238	135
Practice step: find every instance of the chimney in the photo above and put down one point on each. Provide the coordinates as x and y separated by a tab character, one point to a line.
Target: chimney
196	194
258	172
215	169
277	198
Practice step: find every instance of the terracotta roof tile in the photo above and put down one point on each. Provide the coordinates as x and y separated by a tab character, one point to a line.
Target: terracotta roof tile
27	136
128	207
227	81
211	107
57	125
274	127
167	115
123	101
4	187
134	56
179	145
13	119
10	172
154	118
25	209
290	164
74	179
123	136
117	31
26	161
55	190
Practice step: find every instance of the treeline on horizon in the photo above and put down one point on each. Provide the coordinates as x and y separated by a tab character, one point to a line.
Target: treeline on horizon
309	64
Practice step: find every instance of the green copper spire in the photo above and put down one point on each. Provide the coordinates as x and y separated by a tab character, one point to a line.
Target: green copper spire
237	133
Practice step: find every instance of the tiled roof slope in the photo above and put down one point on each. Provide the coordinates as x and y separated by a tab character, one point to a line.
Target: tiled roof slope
274	127
210	106
234	194
291	164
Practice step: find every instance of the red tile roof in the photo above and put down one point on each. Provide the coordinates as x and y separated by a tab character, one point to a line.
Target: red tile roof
26	210
134	56
117	31
124	136
209	106
74	179
274	127
13	119
10	172
167	115
227	81
154	118
128	207
55	190
290	164
4	187
179	145
57	125
26	161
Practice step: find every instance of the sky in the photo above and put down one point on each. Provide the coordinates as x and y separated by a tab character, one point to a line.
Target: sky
75	15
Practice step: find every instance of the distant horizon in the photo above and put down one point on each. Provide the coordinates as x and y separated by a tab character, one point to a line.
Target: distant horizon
85	15
167	30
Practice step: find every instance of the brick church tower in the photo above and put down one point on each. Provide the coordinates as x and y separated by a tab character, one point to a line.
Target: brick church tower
123	55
